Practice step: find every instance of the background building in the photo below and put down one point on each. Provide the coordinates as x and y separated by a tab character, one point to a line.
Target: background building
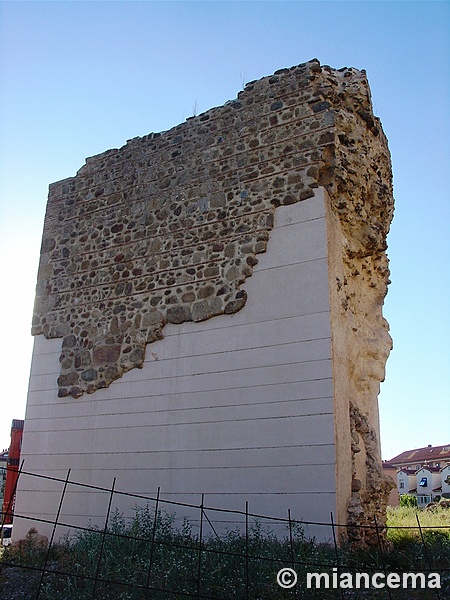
423	473
3	465
12	470
391	471
431	456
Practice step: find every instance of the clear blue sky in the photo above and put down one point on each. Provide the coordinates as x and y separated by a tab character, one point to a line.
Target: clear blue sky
77	78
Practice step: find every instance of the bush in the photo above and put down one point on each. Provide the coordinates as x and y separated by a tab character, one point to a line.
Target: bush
408	500
172	561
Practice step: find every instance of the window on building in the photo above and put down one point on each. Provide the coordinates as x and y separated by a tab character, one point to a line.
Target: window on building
402	484
423	499
423	482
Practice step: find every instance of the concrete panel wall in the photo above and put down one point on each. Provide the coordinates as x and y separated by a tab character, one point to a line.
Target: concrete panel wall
239	407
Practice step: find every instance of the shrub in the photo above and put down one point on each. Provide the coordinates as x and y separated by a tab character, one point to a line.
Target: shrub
408	500
167	555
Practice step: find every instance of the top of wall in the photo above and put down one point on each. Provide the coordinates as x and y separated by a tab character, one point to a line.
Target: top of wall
168	227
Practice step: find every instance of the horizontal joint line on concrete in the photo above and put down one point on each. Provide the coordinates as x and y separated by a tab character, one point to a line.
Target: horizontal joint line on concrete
178	409
228	388
184	423
239	449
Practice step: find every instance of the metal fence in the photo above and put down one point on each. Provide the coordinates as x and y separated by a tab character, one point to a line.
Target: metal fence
156	554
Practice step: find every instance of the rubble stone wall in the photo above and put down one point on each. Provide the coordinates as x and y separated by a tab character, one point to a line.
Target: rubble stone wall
167	229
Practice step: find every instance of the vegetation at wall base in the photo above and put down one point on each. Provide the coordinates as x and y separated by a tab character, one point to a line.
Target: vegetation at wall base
162	559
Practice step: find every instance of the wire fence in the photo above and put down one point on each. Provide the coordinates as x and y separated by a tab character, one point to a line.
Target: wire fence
160	555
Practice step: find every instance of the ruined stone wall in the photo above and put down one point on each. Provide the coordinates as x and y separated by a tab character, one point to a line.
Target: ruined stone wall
167	229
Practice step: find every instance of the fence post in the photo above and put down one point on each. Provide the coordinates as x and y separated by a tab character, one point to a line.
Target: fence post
58	513
425	549
291	541
199	571
97	571
336	551
150	565
381	554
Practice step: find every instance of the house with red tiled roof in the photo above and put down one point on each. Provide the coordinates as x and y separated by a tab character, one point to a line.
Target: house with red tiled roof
406	481
424	473
432	456
445	481
428	481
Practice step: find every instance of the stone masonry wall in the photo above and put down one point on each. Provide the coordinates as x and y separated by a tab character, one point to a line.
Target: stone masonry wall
168	227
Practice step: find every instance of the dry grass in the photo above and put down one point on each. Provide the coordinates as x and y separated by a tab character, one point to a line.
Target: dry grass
405	516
